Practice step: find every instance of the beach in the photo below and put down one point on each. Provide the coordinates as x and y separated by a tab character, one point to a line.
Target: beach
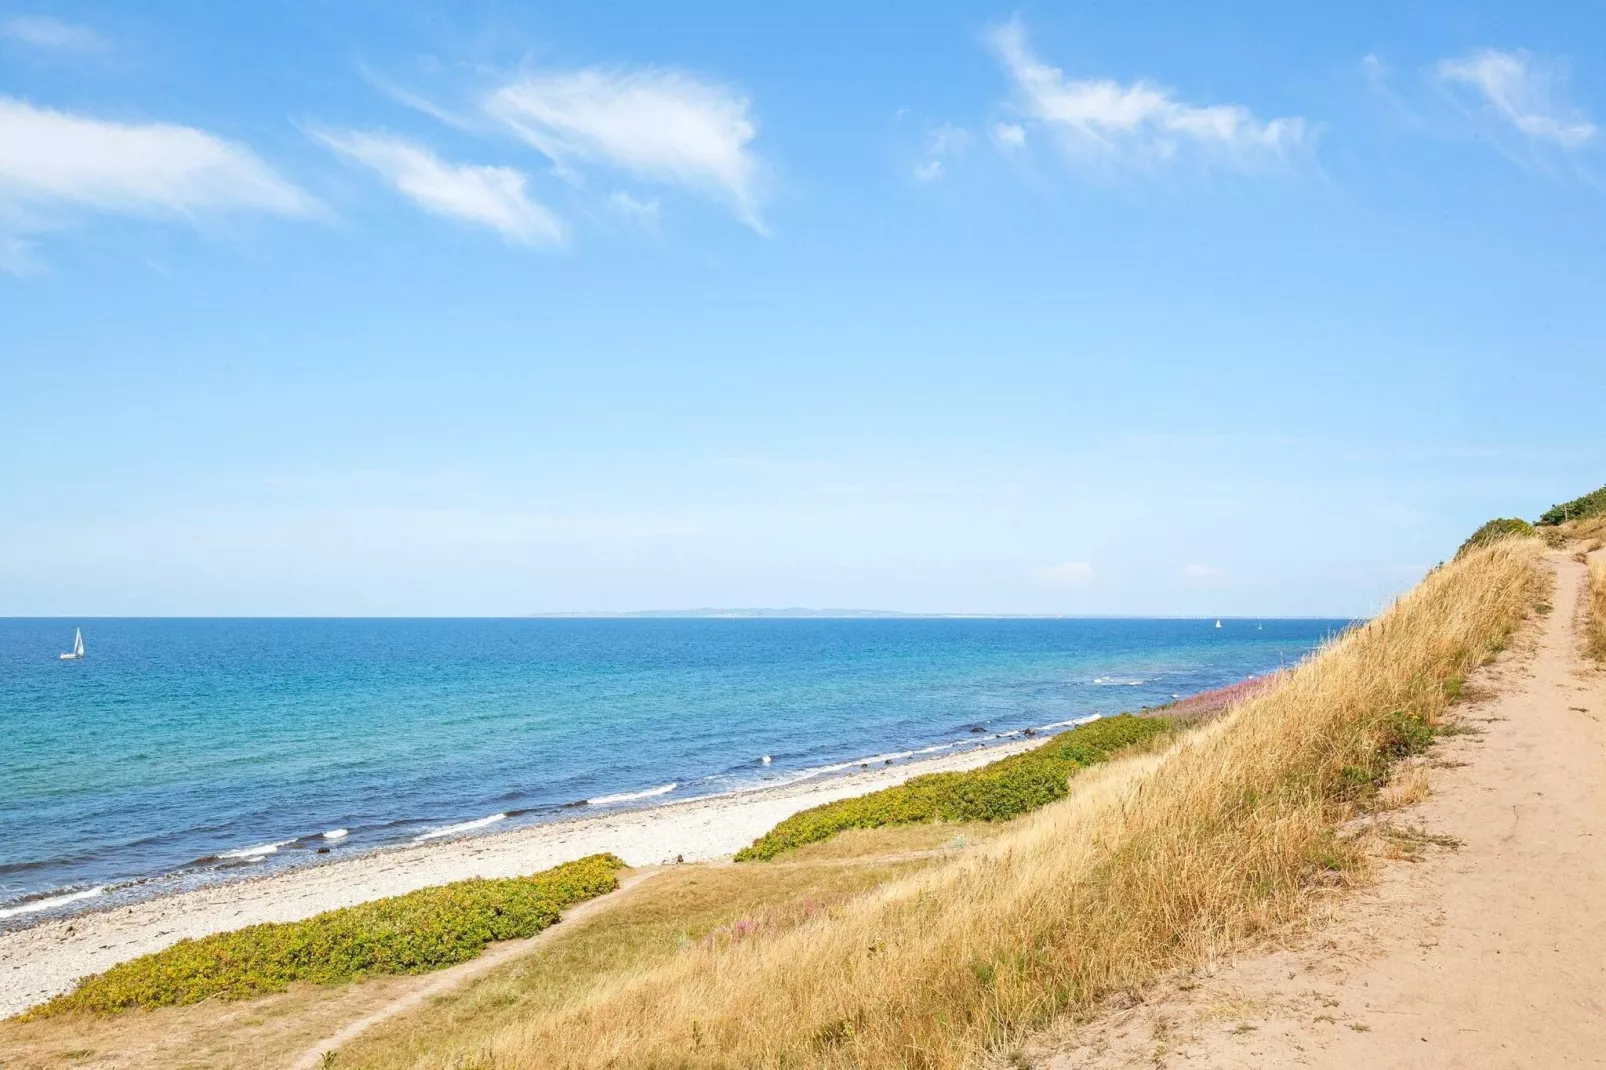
46	959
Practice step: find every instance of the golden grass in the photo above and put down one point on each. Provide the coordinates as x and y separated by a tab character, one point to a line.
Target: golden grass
636	928
1152	863
1595	621
680	907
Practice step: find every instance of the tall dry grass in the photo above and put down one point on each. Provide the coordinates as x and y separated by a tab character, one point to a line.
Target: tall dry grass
1160	862
1595	627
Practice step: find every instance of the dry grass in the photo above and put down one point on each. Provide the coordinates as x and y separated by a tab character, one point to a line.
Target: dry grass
1158	862
636	929
1595	622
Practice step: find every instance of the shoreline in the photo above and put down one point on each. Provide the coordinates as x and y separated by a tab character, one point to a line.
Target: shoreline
46	958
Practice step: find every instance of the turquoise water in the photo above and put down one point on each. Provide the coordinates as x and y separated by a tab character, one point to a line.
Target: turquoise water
181	751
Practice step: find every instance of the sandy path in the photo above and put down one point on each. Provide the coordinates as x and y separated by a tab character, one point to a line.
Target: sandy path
39	962
1492	954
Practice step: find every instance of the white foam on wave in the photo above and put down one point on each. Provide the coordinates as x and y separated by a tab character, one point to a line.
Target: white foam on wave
1116	681
632	796
1070	724
453	830
261	850
51	902
336	834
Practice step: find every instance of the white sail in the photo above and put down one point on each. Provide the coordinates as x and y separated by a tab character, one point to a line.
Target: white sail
77	646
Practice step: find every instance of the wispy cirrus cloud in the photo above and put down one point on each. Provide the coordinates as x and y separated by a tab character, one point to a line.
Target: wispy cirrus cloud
45	32
946	142
488	196
1516	88
1137	124
50	157
653	123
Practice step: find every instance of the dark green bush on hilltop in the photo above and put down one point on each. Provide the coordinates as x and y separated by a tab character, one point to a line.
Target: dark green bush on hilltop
412	933
1003	789
1591	504
1495	530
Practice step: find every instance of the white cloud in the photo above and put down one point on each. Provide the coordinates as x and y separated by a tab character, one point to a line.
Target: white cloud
1068	572
637	211
54	158
1521	89
946	141
489	196
658	124
1202	572
1140	123
42	31
1009	135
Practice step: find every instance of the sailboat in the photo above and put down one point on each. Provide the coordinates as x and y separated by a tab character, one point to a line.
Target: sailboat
77	651
1218	624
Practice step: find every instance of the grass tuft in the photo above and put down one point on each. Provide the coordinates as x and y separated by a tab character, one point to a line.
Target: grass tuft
412	933
997	791
1595	620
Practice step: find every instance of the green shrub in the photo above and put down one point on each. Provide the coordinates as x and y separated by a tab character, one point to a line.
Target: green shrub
998	791
1591	504
1495	530
413	933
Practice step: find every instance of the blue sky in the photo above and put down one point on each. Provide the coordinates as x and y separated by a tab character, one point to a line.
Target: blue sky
347	308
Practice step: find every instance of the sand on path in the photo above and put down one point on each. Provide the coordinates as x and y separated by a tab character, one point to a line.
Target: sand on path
45	960
1490	954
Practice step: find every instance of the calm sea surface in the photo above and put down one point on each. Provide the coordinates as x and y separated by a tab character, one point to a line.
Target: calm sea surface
180	751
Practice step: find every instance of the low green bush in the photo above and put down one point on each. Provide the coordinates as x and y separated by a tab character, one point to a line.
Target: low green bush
998	791
1591	504
1495	530
413	933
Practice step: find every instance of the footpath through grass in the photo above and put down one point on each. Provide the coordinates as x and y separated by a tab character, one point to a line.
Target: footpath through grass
413	933
997	791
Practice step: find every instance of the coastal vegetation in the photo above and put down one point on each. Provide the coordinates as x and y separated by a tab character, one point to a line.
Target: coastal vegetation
997	791
934	925
1166	859
1494	530
422	930
1589	505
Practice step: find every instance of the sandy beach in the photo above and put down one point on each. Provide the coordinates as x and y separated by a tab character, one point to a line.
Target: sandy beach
44	960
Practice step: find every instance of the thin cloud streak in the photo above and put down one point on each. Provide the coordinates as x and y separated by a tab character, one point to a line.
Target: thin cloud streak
657	124
50	157
51	34
1138	124
488	196
1525	91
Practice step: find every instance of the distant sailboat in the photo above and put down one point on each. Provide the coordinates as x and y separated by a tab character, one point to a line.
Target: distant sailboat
77	651
1218	624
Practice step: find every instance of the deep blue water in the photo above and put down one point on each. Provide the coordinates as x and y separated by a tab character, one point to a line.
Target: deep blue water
176	747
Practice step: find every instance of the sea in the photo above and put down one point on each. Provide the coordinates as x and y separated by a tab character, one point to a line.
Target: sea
182	751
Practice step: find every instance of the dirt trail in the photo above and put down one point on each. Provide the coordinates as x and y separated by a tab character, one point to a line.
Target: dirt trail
435	984
1490	954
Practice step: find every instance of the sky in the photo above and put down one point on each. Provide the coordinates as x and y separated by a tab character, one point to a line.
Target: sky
359	308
